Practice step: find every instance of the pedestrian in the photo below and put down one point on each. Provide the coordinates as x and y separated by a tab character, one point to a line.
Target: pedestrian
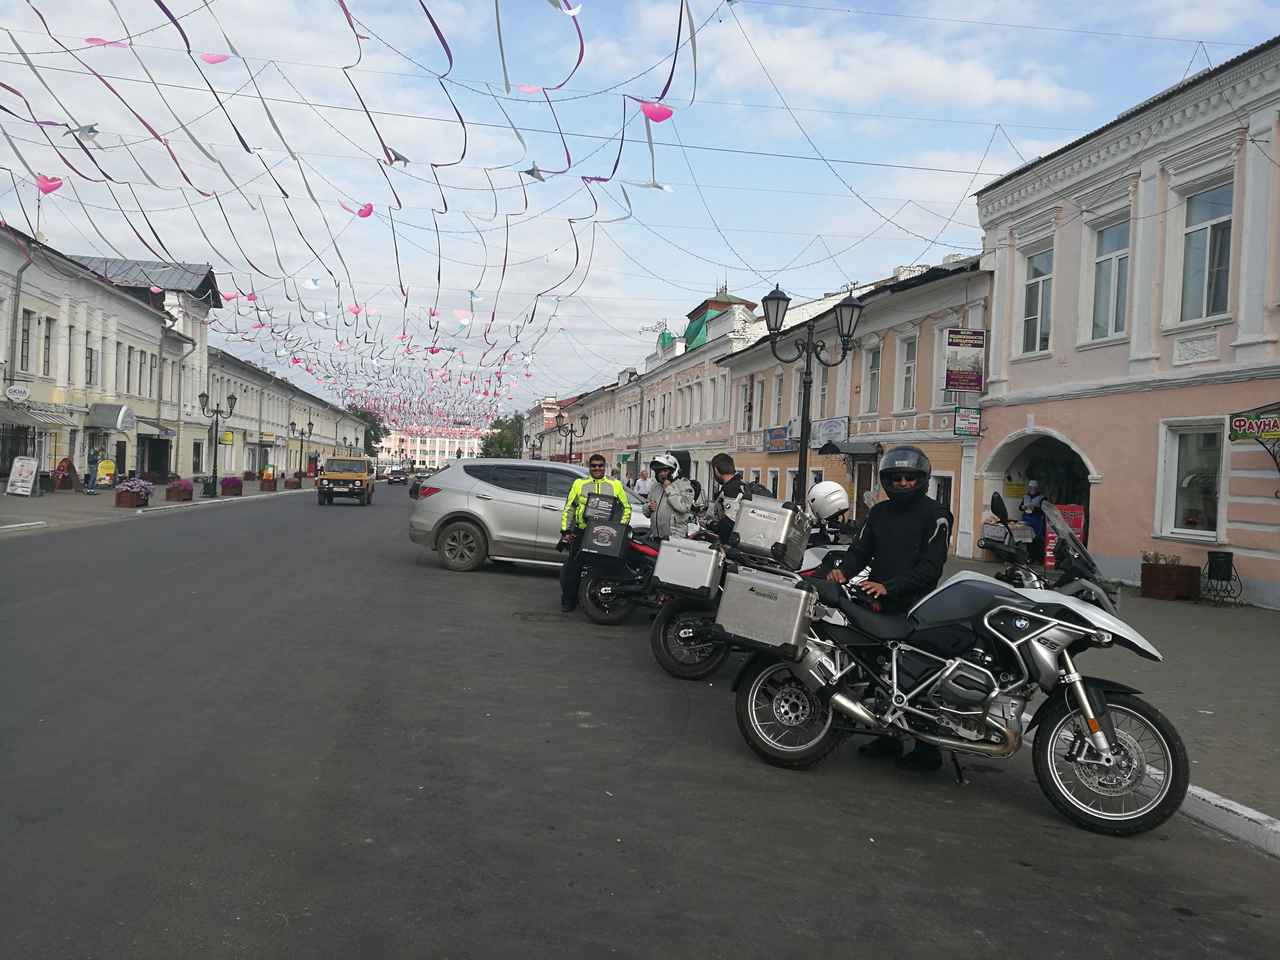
670	500
904	539
91	483
1033	516
644	485
591	497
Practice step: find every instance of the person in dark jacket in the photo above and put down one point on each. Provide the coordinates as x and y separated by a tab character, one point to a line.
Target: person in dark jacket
904	539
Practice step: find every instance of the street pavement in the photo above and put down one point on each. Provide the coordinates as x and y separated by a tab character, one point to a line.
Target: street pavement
279	730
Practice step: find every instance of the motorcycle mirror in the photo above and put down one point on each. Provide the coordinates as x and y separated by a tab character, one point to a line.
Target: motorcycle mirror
998	508
869	499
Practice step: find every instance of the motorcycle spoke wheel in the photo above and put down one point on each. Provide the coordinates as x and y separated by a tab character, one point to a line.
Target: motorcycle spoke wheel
784	713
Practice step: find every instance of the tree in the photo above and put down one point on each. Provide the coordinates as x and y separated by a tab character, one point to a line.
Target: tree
374	429
506	438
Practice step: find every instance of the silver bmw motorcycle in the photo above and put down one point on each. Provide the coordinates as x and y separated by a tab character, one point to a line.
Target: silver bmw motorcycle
959	671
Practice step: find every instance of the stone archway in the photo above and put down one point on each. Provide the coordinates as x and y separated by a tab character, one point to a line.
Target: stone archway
1066	472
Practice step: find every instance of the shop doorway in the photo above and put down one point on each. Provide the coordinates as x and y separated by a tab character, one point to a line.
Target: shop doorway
863	483
122	465
156	459
1058	465
940	490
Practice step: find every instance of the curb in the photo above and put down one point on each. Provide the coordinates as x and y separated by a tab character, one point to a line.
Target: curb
212	501
1234	819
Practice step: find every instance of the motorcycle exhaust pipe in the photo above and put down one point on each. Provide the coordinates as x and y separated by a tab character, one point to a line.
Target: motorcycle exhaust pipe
854	709
1012	741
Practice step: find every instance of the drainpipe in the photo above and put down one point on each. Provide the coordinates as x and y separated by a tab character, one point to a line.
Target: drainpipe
178	438
11	367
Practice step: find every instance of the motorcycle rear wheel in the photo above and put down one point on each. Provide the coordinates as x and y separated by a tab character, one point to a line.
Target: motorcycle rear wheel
606	611
686	658
783	723
1150	755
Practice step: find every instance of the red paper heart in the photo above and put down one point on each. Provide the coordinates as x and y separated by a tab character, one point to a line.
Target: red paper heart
365	211
657	112
47	184
214	58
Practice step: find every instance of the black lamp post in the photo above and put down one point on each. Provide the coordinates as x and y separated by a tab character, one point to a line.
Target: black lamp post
566	429
848	311
211	486
295	430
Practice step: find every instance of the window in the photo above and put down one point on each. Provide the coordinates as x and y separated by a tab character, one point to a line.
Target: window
46	360
1206	253
1192	469
815	477
757	402
1036	316
773	482
793	485
777	399
907	373
151	378
824	379
516	479
25	354
128	373
755	476
744	401
90	368
558	483
197	457
871	386
1110	278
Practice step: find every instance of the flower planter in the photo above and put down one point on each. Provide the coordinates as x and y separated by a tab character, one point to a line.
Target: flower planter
248	475
232	491
179	496
129	499
268	486
293	484
65	483
1170	581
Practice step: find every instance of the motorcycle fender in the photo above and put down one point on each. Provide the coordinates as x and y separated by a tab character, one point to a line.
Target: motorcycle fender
746	665
1096	689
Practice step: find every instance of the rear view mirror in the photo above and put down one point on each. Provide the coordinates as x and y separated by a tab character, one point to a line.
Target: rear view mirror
998	507
869	498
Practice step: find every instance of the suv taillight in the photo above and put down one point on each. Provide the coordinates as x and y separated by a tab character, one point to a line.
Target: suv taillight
427	491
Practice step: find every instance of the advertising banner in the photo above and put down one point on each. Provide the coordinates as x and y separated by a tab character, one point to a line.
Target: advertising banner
968	422
779	440
965	359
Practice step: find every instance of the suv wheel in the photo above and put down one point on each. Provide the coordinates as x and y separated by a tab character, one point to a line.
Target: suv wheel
462	546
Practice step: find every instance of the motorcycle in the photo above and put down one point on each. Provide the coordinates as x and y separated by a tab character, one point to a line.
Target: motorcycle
611	590
958	671
1078	574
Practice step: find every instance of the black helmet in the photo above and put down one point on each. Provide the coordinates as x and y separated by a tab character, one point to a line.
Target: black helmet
910	460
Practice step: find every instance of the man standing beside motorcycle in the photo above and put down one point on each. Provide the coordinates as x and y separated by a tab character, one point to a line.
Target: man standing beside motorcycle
904	539
670	500
595	497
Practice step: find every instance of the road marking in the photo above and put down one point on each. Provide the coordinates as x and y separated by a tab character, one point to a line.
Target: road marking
22	526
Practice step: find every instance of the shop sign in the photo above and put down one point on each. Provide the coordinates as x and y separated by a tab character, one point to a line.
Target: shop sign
268	438
968	421
226	438
1256	425
106	471
965	357
17	392
822	432
22	476
779	440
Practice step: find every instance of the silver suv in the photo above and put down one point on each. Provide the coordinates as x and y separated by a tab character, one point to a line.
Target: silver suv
475	510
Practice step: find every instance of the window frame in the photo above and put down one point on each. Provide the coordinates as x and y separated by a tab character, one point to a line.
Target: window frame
1027	282
904	369
24	355
1164	520
779	387
1208	227
46	354
1117	320
871	378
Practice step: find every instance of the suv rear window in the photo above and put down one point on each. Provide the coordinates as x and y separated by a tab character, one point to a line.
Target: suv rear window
513	478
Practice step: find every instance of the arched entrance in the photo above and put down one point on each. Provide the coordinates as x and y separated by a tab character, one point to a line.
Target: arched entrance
1063	469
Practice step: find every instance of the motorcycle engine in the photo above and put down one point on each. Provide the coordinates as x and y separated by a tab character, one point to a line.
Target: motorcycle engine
967	687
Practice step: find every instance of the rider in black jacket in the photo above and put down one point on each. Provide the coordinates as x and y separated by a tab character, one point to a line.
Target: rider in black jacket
904	540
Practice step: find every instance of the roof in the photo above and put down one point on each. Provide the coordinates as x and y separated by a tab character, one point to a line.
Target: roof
184	277
1147	104
220	356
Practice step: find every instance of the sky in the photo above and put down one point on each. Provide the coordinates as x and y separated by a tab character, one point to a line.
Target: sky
824	145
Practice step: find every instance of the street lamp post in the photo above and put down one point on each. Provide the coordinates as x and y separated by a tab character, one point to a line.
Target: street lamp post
295	430
566	429
848	311
211	486
639	420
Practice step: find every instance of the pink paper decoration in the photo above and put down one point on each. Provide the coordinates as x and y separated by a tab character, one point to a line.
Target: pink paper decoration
365	211
156	290
463	315
295	360
354	309
214	58
47	184
251	297
228	297
99	42
657	112
528	88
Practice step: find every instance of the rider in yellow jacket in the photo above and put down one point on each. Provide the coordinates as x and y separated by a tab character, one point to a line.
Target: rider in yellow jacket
574	517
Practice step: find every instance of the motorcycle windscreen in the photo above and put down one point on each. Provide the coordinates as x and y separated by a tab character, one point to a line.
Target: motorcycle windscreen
1065	533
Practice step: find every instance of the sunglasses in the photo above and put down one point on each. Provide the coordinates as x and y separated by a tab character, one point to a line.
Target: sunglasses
902	478
595	466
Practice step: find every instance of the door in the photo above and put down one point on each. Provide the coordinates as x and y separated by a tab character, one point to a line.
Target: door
556	484
507	500
862	482
941	490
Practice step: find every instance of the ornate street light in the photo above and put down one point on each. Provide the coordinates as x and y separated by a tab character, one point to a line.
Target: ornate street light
296	430
211	486
566	429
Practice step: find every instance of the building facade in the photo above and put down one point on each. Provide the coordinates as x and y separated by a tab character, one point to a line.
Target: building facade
1135	308
427	448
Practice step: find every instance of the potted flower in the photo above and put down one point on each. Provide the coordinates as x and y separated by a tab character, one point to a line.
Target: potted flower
179	490
295	483
232	486
248	475
1166	577
268	484
134	492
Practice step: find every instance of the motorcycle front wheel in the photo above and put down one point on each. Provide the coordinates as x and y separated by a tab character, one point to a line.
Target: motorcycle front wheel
1142	790
599	606
784	723
678	640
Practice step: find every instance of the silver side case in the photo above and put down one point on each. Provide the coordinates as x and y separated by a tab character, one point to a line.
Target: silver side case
767	610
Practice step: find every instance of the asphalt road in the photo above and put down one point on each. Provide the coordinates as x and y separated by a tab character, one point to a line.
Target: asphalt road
275	730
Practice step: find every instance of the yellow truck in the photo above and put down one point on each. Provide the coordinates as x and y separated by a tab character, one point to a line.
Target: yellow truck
350	477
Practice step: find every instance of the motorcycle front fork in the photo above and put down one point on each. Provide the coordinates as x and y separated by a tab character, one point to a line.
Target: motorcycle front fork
1097	736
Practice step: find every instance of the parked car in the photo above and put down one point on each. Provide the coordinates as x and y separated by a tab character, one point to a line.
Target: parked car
490	509
397	475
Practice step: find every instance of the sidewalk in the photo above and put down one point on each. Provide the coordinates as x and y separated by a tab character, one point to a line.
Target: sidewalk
1219	684
68	509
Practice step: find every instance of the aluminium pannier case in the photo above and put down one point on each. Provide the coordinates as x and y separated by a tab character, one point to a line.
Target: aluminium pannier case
689	566
604	538
766	610
773	530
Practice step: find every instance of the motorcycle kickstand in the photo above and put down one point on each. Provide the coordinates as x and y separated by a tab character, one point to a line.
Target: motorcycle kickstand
955	762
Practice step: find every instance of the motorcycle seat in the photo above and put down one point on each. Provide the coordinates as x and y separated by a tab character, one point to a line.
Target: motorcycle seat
882	626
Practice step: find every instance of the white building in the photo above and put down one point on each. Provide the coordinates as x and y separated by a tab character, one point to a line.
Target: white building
427	448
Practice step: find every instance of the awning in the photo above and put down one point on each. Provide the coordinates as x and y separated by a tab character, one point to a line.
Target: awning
109	416
151	427
17	418
857	449
52	417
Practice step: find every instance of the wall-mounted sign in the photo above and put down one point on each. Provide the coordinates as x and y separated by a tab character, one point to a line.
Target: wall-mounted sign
968	422
267	438
779	440
17	392
822	432
1260	424
226	438
965	359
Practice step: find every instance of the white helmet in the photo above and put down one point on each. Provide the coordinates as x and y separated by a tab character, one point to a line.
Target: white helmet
668	461
827	498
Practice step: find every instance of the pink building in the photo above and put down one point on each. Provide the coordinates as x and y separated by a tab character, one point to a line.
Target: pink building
1135	308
